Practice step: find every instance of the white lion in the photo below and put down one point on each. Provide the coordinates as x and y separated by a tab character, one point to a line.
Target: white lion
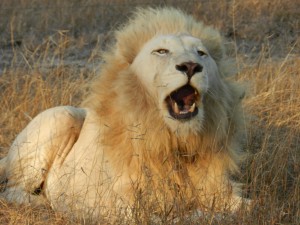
162	119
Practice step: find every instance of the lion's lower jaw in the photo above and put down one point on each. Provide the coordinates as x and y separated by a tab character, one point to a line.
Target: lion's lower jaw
186	127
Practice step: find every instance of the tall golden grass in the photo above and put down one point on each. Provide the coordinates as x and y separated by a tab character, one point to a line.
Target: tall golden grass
50	50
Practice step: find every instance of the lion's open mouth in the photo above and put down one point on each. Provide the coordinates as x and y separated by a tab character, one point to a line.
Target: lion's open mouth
182	103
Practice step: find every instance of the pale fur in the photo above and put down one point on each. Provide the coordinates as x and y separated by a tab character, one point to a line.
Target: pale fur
91	160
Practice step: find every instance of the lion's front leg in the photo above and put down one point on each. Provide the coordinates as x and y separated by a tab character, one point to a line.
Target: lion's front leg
212	184
49	135
220	195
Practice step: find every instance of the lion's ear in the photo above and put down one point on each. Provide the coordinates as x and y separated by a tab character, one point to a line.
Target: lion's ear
217	51
213	41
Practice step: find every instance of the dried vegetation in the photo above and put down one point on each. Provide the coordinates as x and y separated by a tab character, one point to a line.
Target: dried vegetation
50	50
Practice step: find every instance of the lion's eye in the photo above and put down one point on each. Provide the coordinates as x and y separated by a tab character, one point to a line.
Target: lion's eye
201	53
161	51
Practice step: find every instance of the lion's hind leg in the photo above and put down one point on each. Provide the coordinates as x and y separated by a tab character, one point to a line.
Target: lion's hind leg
48	137
12	192
18	195
17	189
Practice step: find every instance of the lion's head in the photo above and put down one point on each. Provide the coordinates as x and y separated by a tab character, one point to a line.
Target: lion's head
167	66
177	70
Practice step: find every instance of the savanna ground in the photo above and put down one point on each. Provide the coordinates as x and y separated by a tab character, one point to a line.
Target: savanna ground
50	51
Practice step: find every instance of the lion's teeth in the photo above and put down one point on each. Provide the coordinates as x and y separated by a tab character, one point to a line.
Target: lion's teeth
176	109
186	109
192	109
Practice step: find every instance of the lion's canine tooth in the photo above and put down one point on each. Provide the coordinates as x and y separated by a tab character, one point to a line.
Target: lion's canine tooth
176	109
192	109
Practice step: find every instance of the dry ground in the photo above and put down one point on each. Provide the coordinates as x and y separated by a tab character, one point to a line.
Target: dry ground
50	50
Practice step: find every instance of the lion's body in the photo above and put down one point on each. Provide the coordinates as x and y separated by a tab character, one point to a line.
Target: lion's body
131	137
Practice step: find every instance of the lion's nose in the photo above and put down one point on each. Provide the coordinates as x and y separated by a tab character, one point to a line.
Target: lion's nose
189	68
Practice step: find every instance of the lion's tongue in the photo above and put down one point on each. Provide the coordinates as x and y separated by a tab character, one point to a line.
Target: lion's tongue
189	99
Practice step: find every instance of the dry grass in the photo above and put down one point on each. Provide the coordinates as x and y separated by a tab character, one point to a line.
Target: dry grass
50	50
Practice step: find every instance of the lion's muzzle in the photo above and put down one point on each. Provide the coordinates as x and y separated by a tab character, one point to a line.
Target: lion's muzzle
189	68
